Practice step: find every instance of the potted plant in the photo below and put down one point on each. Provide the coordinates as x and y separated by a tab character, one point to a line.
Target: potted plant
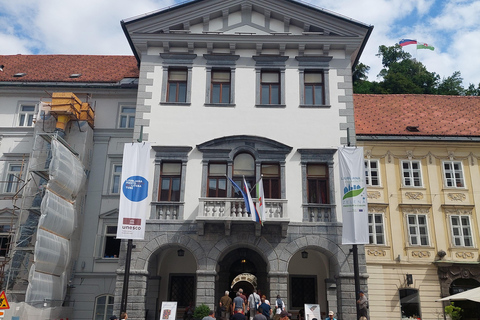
201	311
455	313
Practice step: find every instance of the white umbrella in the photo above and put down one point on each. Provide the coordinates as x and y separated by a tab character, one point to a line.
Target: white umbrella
472	294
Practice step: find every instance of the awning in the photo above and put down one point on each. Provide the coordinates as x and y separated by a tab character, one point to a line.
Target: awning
472	295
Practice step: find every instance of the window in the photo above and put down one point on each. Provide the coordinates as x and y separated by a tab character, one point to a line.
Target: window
103	307
116	178
453	174
303	289
409	303
220	86
270	87
244	167
182	289
127	117
217	181
13	178
376	230
177	85
271	181
170	177
317	180
25	117
411	173
417	229
372	173
111	248
4	239
461	231
313	88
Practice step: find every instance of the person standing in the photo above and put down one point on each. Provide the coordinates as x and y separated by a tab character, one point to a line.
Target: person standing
362	304
225	305
253	303
123	316
211	315
238	315
266	309
242	295
238	302
259	315
284	315
279	307
330	316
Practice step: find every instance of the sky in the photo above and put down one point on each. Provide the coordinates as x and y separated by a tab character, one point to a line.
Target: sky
93	27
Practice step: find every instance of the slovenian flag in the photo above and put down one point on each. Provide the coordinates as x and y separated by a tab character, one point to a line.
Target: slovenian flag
406	42
253	210
425	46
247	207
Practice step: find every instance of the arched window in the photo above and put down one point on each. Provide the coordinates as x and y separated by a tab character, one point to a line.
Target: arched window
103	307
244	166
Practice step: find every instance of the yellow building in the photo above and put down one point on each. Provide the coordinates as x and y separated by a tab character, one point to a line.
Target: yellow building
423	176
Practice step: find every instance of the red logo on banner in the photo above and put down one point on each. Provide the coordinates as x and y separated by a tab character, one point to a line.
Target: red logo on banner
132	221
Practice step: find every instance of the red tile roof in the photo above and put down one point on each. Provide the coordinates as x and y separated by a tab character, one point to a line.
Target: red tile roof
434	115
58	68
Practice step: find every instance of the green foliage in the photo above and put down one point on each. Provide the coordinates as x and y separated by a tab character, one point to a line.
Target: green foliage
472	91
452	85
403	75
455	313
201	311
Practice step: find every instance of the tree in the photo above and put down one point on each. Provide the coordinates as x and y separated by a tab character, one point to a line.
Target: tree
409	76
392	54
452	85
472	91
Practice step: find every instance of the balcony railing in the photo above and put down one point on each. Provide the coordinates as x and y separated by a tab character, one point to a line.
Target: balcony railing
320	212
234	208
166	210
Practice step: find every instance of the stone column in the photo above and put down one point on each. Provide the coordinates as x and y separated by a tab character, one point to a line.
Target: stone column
278	285
137	290
346	295
206	288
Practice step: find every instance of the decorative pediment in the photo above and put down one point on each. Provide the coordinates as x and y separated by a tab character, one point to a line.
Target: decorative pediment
112	214
260	147
218	23
245	16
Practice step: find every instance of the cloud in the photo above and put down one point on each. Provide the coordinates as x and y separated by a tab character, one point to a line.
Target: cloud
93	27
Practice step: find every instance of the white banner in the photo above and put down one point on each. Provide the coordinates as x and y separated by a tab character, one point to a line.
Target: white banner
134	200
354	195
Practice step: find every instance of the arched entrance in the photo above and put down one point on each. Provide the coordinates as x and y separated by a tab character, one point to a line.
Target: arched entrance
471	309
172	277
241	268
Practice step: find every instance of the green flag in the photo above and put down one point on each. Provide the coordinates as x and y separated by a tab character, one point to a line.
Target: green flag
424	46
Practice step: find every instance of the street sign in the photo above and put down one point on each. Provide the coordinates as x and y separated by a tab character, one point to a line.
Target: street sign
3	301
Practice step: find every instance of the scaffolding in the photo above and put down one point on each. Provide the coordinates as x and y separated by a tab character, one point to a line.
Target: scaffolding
42	255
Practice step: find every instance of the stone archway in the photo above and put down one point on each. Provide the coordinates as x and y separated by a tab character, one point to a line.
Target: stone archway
246	281
241	268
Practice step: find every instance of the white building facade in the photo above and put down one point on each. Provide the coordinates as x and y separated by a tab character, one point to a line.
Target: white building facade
243	89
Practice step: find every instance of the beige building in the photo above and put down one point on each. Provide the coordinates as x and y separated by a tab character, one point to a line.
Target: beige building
422	163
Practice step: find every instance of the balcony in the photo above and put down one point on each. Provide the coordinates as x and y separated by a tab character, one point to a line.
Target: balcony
320	212
232	210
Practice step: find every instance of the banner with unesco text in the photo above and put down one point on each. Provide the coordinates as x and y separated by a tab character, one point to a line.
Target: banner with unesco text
134	200
354	195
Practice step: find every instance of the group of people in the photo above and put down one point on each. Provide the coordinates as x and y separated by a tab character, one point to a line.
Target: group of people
256	307
123	316
259	308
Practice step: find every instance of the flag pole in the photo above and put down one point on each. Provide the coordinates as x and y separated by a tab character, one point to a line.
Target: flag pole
128	258
354	250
